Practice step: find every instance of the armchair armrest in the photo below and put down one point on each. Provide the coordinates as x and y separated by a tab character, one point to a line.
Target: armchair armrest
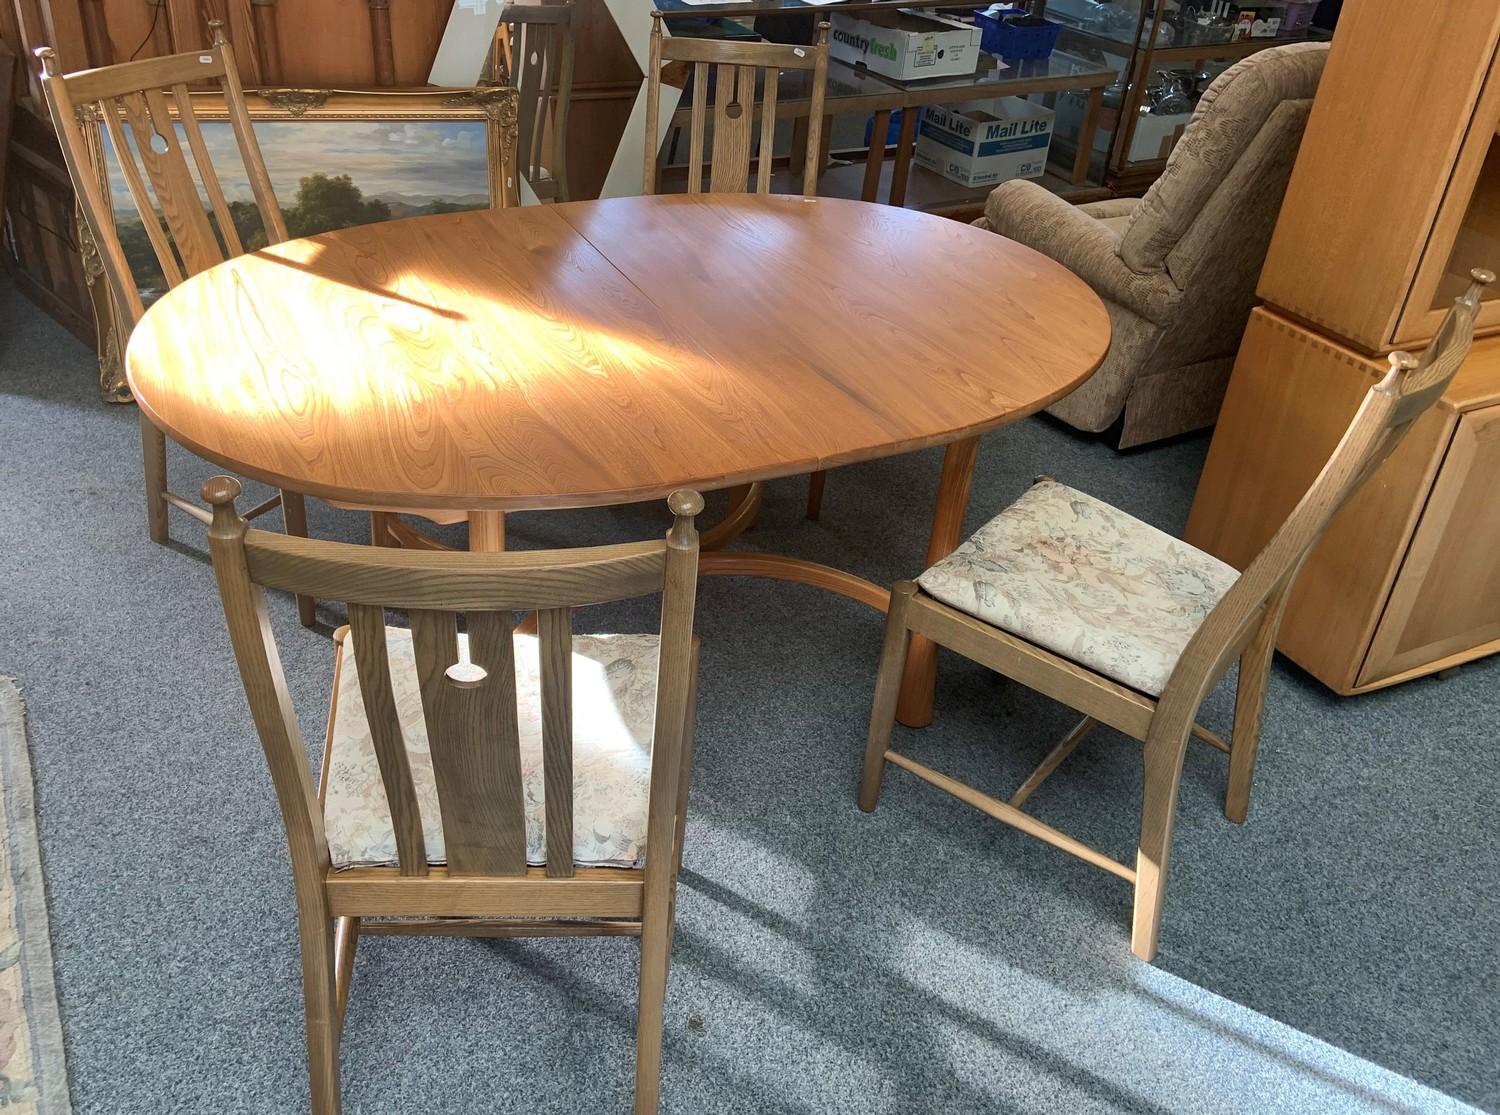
1028	213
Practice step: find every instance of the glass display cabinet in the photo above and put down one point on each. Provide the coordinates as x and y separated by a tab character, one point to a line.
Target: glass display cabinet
1167	53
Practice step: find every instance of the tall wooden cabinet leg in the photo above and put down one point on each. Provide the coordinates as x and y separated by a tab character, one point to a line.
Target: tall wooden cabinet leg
154	456
914	709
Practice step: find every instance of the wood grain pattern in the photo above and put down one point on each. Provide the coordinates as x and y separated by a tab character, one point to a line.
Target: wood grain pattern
1270	445
555	654
1391	95
603	352
367	631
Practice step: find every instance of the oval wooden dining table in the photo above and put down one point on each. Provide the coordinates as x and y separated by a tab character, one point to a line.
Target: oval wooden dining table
605	352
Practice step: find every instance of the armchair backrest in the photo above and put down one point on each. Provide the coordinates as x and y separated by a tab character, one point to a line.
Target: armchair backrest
1254	112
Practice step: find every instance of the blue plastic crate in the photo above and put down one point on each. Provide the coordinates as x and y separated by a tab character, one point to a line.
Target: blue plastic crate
1011	34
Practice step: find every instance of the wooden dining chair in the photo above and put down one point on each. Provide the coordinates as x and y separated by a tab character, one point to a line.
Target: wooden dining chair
538	60
487	783
141	105
729	71
1132	627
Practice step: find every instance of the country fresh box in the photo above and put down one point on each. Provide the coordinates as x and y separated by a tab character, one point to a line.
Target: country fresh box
982	142
905	44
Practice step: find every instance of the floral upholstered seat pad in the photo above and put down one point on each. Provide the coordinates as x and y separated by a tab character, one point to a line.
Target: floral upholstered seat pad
1086	581
614	710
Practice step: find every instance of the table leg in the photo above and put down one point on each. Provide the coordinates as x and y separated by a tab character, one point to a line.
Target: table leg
1086	132
486	531
906	145
914	707
876	157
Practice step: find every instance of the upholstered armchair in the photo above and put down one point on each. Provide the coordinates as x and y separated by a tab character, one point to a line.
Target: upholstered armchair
1178	267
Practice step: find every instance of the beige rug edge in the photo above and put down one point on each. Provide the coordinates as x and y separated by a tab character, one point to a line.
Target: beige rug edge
33	1070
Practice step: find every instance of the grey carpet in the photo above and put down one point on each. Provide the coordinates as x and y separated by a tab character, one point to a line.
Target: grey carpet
920	959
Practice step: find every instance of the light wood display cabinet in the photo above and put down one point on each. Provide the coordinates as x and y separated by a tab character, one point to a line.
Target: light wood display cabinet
1395	197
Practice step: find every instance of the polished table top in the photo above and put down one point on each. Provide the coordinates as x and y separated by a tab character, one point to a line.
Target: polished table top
608	351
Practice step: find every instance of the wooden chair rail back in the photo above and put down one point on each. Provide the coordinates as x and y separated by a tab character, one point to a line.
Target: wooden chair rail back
469	702
1388	411
540	47
141	106
729	71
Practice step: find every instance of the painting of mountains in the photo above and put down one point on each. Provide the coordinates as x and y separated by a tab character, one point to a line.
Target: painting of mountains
328	174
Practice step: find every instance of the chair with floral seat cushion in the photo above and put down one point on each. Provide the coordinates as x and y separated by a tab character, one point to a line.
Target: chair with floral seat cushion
1093	608
486	783
1086	581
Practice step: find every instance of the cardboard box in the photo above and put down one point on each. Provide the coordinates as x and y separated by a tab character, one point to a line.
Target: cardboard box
905	44
979	143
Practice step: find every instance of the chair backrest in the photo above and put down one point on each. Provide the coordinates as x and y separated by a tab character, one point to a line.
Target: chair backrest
1271	92
470	708
729	70
1389	409
152	98
540	67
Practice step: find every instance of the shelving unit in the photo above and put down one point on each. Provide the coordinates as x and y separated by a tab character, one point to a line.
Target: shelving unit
1136	153
1396	194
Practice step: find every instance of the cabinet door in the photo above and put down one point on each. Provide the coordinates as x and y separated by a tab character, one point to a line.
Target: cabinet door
1446	600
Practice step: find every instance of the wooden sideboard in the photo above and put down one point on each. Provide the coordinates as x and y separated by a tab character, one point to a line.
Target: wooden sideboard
1395	196
1406	581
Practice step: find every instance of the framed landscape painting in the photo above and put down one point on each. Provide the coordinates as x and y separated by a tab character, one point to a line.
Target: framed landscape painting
342	159
336	159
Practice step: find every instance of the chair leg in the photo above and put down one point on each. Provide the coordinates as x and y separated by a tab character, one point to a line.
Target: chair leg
1165	752
154	453
320	1004
815	484
294	516
656	956
380	535
345	943
887	692
1249	706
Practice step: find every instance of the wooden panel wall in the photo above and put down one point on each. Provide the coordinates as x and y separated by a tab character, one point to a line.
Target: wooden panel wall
349	44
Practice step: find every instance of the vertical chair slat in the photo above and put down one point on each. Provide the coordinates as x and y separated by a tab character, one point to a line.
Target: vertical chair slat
181	207
491	646
525	77
367	634
734	112
227	232
653	108
470	724
244	135
695	131
555	651
767	155
137	187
